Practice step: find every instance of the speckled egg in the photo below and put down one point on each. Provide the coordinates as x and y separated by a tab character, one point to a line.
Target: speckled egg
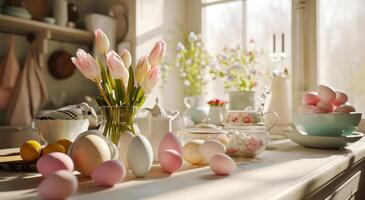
221	164
109	173
310	98
210	148
345	108
170	161
88	152
341	98
170	141
59	185
191	152
124	141
53	162
326	94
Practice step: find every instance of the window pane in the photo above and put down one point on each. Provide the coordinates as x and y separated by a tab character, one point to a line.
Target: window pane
341	49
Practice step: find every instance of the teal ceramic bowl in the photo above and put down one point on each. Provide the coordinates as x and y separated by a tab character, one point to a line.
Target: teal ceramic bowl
327	124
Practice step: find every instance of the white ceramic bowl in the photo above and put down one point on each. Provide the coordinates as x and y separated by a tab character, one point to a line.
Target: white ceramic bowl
53	130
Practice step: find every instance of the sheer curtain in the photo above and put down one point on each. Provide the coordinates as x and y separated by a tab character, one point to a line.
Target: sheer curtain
341	47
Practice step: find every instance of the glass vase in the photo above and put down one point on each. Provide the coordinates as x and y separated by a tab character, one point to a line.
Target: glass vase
116	120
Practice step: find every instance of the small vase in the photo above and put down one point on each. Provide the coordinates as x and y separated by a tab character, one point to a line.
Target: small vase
196	108
217	114
116	120
239	100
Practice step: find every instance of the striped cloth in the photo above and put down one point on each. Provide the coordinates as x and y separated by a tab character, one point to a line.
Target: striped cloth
72	112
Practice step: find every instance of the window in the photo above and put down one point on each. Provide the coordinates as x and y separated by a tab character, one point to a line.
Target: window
341	47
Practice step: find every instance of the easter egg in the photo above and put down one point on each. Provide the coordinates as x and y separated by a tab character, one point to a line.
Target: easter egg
170	160
345	108
310	98
222	164
123	143
170	141
59	185
327	107
326	93
191	152
140	156
109	173
318	110
306	108
341	98
210	148
53	162
88	151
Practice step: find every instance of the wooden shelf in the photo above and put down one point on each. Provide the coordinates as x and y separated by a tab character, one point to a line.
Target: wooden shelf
21	26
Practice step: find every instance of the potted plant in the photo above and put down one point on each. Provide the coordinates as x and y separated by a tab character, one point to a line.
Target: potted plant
236	66
193	62
217	111
123	88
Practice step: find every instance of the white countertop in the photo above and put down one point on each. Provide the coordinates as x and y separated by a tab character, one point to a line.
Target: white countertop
286	171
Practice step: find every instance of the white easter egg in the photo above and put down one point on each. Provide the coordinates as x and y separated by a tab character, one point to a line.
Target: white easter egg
140	156
123	143
210	148
191	152
326	93
221	164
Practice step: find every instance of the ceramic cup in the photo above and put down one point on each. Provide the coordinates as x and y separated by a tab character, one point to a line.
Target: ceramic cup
247	118
53	130
327	124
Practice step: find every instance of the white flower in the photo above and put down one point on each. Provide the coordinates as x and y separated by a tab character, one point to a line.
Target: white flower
186	83
188	61
183	74
192	37
180	47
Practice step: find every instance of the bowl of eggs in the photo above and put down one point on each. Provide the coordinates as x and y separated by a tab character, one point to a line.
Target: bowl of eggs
326	112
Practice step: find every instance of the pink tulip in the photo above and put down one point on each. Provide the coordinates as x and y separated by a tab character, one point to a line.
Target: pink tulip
151	79
116	67
157	53
126	57
101	41
87	65
142	69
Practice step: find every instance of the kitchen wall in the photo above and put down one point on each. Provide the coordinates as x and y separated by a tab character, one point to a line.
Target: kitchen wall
341	47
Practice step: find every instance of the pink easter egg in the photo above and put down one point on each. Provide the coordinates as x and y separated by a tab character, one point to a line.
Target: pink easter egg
52	162
345	108
325	106
310	98
59	185
319	110
221	164
170	160
170	141
326	93
109	173
341	98
306	108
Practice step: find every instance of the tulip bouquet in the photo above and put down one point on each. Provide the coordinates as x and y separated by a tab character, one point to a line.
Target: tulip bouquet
237	67
193	63
123	88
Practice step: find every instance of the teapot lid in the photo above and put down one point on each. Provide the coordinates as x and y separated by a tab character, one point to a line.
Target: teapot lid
158	110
